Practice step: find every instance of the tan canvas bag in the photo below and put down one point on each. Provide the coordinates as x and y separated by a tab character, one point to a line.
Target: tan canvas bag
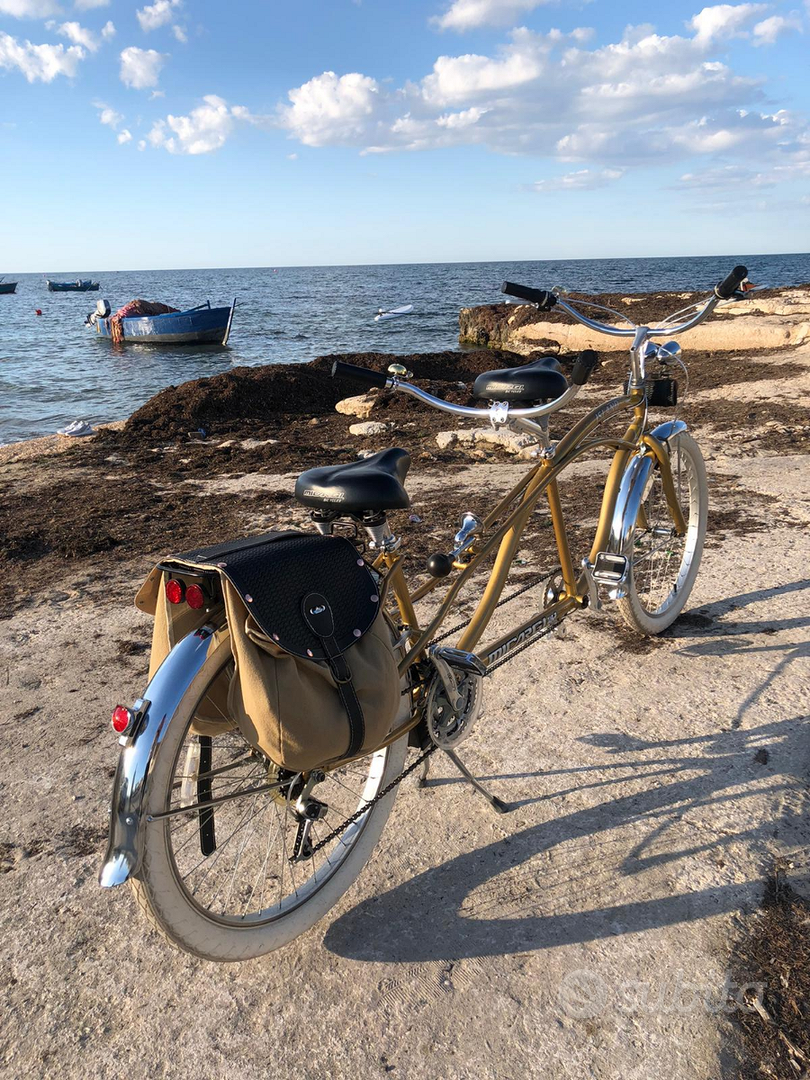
302	697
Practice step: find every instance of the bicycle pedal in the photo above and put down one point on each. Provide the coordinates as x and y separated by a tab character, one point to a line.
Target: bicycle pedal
610	569
461	660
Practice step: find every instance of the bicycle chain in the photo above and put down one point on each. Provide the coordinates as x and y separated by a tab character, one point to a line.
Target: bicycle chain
344	825
340	829
506	600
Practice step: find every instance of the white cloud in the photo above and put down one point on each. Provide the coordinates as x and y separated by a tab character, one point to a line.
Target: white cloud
180	33
41	63
292	157
767	31
141	144
89	5
158	14
78	35
108	30
140	68
723	20
331	109
461	119
124	136
108	116
553	95
581	180
204	130
29	9
467	14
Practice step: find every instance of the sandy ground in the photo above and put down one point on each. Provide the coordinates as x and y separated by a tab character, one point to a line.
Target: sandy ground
589	933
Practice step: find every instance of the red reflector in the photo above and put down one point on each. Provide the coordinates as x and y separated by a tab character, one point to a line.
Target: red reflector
121	719
195	597
175	591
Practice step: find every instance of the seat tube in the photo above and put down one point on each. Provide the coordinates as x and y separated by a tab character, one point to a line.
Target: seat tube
561	538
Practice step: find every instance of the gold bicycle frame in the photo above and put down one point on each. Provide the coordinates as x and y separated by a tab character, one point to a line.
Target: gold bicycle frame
541	479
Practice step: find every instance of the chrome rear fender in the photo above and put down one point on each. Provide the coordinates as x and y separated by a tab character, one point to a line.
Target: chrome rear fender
160	701
632	488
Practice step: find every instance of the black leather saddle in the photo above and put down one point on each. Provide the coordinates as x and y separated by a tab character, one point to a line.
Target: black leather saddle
541	380
375	483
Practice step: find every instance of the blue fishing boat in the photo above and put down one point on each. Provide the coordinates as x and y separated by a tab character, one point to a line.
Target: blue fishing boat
72	286
8	286
195	326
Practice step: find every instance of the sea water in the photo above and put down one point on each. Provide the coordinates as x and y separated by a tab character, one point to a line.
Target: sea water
53	369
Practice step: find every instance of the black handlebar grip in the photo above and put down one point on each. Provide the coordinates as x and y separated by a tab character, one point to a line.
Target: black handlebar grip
359	374
729	285
585	363
544	300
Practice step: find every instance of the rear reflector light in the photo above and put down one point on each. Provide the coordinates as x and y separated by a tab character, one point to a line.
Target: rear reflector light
195	597
121	719
175	591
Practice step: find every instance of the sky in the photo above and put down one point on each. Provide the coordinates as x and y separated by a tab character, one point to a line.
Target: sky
194	133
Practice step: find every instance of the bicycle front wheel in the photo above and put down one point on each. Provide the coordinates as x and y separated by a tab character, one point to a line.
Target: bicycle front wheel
663	566
220	883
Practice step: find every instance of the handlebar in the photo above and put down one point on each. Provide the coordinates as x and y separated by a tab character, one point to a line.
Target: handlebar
545	301
584	365
360	374
729	285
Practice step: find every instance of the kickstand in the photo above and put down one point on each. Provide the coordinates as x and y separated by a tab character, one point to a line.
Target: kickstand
493	800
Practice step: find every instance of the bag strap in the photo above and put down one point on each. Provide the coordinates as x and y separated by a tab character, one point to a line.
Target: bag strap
318	617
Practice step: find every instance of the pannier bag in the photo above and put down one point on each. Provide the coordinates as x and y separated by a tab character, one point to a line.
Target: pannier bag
315	674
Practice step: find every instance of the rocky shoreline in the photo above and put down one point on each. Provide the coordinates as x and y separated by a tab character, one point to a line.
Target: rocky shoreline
770	319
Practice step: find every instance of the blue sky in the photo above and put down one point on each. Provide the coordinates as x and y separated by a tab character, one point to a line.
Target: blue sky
188	133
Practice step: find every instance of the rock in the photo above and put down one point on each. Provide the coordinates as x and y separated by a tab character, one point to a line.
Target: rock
369	427
253	444
778	319
513	442
360	406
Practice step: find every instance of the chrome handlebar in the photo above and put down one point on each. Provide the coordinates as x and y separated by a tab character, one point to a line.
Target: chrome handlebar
631	331
498	411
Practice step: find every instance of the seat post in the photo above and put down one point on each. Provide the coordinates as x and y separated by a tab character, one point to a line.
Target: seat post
380	536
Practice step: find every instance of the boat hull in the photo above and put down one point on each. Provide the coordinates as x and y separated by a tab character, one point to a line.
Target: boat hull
71	286
8	286
178	328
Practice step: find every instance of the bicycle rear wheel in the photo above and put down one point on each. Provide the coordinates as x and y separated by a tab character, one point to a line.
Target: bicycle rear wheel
663	566
240	896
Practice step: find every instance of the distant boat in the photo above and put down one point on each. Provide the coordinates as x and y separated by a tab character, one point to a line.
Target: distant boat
72	286
394	313
193	327
8	286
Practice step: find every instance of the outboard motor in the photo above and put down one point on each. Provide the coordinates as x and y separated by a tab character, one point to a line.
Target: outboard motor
102	311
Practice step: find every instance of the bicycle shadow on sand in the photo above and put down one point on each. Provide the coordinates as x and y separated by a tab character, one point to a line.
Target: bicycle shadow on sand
440	915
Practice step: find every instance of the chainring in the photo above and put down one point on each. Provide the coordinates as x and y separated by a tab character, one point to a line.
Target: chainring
446	727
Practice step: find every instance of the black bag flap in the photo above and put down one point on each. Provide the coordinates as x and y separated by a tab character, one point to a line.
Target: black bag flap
275	572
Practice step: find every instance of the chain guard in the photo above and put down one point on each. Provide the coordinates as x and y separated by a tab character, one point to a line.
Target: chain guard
446	727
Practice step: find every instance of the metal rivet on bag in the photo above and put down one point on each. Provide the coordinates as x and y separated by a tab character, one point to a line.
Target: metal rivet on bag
359	562
248	597
310	652
357	633
275	637
374	598
222	565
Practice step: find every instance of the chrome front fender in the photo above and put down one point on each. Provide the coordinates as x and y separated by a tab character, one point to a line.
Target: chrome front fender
161	699
632	488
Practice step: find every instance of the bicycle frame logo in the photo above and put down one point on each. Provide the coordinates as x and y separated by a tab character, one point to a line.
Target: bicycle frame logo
538	626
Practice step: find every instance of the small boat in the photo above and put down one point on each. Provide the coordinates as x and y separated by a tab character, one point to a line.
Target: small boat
8	286
394	313
193	327
73	286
